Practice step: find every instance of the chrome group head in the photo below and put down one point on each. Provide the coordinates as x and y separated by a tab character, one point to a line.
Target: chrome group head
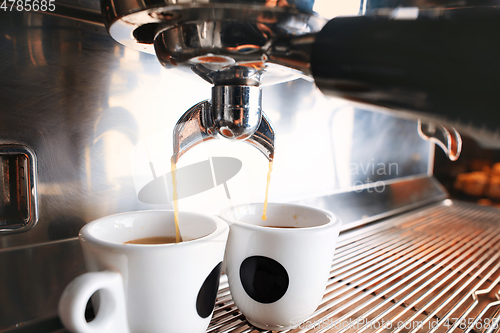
236	45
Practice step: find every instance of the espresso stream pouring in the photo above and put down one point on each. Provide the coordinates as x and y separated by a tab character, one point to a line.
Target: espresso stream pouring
234	113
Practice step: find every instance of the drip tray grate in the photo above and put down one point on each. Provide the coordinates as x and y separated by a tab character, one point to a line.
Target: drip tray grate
434	270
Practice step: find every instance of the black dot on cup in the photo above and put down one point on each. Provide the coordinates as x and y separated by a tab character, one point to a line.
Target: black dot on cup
205	301
89	309
265	280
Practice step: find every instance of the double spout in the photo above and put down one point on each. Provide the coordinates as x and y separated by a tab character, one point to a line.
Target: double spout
233	113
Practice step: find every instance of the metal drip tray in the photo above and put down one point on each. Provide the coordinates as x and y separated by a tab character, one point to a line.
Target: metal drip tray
433	270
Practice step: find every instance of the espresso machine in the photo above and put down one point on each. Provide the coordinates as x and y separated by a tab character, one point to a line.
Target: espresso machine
239	47
390	59
347	98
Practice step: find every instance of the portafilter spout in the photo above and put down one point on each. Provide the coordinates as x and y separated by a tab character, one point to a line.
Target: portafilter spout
234	113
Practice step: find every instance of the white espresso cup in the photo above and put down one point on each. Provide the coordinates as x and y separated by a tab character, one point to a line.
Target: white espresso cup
147	288
277	275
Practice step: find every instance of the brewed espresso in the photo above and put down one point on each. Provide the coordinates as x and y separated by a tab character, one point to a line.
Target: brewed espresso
152	240
158	240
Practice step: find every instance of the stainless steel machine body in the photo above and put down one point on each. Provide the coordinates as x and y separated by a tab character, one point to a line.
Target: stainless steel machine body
95	120
434	59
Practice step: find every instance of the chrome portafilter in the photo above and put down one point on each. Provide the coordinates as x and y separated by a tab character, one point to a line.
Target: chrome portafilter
234	113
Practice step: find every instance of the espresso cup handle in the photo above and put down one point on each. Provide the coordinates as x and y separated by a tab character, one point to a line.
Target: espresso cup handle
111	316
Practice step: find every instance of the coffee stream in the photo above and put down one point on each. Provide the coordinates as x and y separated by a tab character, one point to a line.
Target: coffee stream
264	214
173	165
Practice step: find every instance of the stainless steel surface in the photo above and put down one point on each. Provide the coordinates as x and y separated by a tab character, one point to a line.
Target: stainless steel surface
243	31
325	8
370	7
56	101
87	5
33	279
263	138
191	130
448	139
213	47
18	188
375	201
78	12
434	270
